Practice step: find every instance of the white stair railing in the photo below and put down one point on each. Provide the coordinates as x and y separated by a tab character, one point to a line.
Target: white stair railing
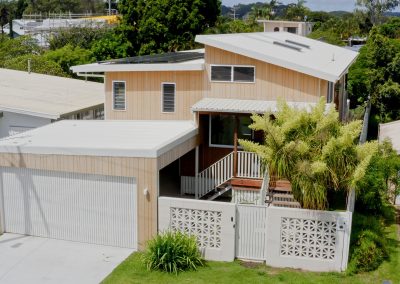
214	176
249	165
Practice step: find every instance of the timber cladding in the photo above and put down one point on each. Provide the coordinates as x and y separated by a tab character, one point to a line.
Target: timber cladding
143	94
143	169
272	82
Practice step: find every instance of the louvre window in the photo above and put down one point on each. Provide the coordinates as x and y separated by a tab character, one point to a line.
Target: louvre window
119	92
168	97
232	74
243	74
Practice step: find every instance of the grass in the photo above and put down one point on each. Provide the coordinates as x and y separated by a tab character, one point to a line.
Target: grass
132	270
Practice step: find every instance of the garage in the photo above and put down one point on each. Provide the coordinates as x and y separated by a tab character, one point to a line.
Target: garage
89	181
70	206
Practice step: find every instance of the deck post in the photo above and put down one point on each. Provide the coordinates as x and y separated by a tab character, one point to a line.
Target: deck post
196	166
235	147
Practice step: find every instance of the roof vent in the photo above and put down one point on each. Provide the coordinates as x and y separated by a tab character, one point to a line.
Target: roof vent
297	43
287	45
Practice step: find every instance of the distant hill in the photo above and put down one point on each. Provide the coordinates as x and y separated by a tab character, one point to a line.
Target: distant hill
241	10
392	14
338	13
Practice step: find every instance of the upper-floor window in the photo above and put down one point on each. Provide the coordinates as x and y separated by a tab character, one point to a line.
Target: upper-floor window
119	95
229	73
168	97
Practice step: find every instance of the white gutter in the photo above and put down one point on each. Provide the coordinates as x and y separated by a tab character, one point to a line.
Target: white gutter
96	67
31	113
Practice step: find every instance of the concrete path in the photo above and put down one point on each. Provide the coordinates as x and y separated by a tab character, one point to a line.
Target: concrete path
26	259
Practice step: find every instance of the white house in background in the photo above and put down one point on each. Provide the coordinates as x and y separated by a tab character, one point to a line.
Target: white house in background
391	131
299	28
32	100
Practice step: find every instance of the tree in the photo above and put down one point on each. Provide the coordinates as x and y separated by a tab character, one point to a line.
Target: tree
376	8
296	11
154	26
380	186
11	48
375	74
38	65
313	150
74	6
226	25
4	17
83	37
68	56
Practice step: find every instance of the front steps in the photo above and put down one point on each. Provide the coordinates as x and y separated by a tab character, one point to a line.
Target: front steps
280	195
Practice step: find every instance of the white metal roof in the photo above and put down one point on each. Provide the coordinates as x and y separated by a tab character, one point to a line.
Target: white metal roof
46	96
391	130
320	60
193	65
101	138
243	106
190	65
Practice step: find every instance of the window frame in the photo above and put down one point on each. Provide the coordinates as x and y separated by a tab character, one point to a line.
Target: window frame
162	97
232	66
113	96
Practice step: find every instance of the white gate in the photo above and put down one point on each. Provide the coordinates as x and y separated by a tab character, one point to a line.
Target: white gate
251	231
213	223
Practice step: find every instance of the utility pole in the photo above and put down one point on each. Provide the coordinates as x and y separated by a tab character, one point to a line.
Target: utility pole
109	7
234	12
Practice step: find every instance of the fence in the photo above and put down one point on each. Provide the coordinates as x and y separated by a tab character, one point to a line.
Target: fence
212	222
282	237
249	166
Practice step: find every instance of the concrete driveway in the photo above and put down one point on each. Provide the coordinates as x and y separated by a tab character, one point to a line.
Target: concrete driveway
26	259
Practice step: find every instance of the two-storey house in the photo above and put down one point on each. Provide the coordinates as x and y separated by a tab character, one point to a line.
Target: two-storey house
171	127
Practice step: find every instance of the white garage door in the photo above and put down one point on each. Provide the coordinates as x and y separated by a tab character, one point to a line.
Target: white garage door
78	207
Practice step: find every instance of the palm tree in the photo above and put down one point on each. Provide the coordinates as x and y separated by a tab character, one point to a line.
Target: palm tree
313	150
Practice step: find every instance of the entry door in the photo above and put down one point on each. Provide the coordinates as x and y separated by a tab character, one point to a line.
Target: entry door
70	206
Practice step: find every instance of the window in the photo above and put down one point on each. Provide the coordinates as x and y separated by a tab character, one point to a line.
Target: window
292	30
168	97
222	129
119	94
221	73
244	74
276	29
98	113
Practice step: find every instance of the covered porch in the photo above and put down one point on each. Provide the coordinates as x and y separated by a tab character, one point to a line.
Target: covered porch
219	166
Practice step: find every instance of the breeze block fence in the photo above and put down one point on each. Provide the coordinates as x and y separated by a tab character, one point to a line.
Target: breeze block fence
281	237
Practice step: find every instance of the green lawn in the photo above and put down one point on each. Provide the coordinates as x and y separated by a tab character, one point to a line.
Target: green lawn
132	270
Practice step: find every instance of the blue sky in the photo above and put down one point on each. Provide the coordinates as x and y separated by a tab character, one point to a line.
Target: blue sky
324	5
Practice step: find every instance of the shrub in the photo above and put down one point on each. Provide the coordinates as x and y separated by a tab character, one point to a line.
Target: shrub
172	252
369	247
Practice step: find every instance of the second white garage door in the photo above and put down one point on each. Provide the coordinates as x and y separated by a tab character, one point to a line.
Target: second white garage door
70	206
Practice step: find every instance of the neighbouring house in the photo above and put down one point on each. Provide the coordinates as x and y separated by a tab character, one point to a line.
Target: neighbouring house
299	28
29	100
391	131
172	123
41	29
